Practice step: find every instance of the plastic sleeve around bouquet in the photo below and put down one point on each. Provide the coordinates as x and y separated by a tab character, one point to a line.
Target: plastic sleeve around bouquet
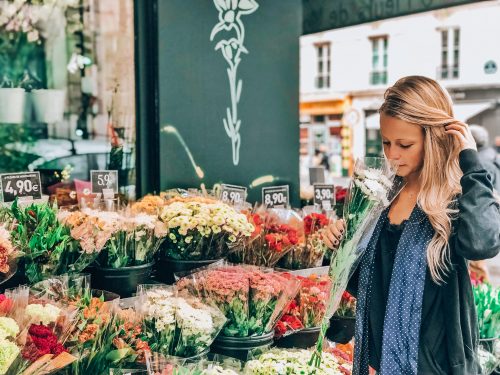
200	228
229	290
372	189
276	232
42	339
68	287
311	249
270	294
156	304
198	323
210	364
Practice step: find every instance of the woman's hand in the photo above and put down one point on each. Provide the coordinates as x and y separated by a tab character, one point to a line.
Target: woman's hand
334	233
462	132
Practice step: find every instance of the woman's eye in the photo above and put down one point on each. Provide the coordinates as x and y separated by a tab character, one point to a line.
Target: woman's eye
405	146
386	143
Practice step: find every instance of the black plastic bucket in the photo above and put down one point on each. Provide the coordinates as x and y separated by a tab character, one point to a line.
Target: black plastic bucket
241	347
341	329
122	281
303	339
106	294
166	268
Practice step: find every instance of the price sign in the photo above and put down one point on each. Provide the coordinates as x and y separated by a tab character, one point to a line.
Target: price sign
101	180
21	185
233	194
324	196
276	196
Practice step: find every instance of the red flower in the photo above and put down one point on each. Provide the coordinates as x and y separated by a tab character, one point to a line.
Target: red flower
314	222
41	341
340	194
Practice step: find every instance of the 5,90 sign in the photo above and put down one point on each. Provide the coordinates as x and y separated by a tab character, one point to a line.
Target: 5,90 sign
21	185
103	180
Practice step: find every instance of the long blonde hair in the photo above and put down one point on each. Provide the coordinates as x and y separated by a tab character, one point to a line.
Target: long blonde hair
423	102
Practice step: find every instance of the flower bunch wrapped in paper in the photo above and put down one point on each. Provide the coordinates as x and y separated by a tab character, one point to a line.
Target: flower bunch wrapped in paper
487	300
135	242
177	324
251	298
310	252
201	228
44	326
277	231
46	243
116	239
347	306
295	362
67	289
129	349
91	337
373	186
309	306
8	253
149	204
212	364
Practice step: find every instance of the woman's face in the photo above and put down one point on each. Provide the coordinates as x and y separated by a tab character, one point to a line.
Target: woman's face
404	143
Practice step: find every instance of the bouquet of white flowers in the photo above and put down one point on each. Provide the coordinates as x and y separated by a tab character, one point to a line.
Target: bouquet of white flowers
372	188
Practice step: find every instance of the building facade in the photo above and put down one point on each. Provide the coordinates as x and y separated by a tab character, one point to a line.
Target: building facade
345	72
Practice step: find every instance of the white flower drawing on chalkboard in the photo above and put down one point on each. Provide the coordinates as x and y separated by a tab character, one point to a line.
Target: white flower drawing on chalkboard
230	12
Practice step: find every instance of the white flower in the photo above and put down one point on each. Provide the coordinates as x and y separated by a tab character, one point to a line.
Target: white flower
43	314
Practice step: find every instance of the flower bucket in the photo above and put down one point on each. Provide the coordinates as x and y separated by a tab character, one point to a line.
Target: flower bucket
13	278
122	281
241	347
48	105
12	105
106	294
341	329
303	339
166	268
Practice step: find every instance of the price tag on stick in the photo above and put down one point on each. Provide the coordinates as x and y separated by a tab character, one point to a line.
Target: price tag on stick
324	196
233	194
26	185
101	180
276	196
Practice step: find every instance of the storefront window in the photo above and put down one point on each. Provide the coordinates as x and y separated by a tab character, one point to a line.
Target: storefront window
67	90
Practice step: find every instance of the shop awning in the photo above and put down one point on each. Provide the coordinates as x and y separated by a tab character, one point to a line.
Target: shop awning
326	107
462	112
465	111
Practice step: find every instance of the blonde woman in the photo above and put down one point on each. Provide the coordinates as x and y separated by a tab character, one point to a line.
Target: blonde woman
415	309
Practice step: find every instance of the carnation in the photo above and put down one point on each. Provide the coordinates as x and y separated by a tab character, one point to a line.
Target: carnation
44	314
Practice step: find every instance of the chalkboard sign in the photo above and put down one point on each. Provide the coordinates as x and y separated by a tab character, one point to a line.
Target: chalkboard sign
104	180
276	196
21	185
228	94
233	194
324	196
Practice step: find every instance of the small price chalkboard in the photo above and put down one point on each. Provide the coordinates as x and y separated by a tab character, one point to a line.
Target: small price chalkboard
324	196
102	180
21	185
276	196
233	194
